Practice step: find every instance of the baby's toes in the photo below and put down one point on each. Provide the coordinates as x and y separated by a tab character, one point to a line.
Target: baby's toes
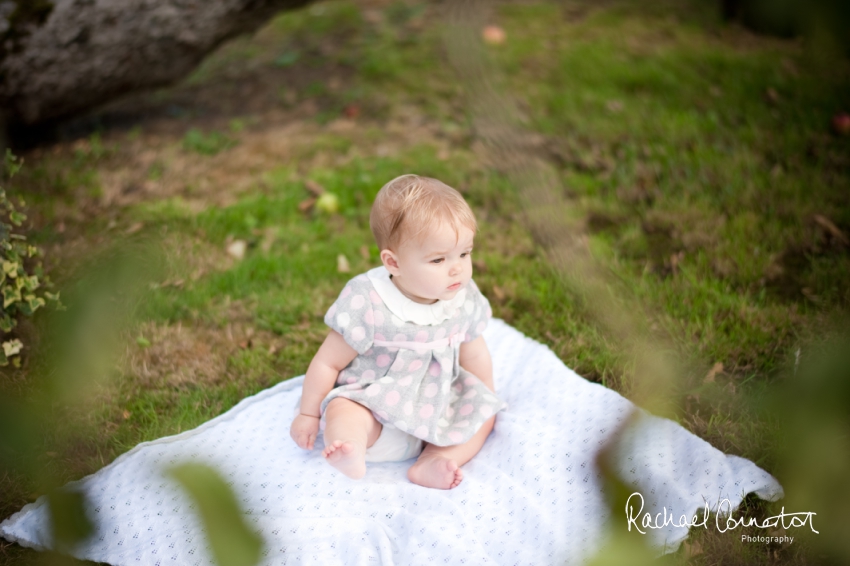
457	479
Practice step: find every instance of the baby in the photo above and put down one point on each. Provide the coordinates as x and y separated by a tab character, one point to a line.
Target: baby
405	372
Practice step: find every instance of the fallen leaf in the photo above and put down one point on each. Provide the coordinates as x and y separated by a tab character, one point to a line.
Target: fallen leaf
351	111
715	369
134	228
314	187
237	248
494	35
246	344
307	204
497	291
833	230
364	252
126	414
771	95
841	124
342	264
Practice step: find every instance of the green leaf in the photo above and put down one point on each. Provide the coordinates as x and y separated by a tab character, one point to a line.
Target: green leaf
12	347
31	282
68	516
143	342
7	323
10	268
232	542
10	295
17	218
11	164
35	303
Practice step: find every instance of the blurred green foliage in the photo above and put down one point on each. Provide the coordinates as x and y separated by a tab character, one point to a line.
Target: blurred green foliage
22	281
207	143
69	522
813	458
232	542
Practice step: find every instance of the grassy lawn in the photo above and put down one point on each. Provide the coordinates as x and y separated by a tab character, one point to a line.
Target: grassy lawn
698	156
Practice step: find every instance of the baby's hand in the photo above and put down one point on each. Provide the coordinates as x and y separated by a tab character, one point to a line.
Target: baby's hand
304	430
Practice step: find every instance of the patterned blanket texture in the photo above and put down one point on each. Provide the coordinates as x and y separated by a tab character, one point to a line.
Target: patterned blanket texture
531	496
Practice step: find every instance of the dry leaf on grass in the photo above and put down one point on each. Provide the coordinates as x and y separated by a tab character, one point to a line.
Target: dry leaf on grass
342	264
494	35
712	373
499	294
237	248
306	204
314	187
830	227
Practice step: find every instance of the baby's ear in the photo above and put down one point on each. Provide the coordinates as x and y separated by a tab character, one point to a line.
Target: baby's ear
390	261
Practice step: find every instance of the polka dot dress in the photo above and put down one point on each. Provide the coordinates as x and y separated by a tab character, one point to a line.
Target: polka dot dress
408	373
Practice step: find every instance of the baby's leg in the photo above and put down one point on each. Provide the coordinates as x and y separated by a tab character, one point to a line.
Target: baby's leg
350	428
439	466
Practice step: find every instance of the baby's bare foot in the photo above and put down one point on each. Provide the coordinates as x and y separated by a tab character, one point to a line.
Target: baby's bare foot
347	457
436	472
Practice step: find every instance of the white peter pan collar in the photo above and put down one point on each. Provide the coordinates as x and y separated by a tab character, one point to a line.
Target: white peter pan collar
407	309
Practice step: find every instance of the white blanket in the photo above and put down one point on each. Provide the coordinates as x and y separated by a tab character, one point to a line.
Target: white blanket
531	496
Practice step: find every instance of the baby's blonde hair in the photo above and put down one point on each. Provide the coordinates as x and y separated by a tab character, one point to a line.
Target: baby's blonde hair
409	205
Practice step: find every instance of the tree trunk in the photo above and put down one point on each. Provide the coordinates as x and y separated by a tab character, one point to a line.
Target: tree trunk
62	57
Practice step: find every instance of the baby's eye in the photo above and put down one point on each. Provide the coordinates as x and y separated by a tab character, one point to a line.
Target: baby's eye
464	254
438	260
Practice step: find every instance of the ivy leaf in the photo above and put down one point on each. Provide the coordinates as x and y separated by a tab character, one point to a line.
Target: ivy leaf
35	303
10	268
11	295
12	347
17	218
7	323
31	283
11	163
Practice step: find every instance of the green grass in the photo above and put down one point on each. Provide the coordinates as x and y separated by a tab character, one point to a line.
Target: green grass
697	153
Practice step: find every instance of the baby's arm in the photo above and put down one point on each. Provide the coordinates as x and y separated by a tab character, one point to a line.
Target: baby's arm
475	358
332	357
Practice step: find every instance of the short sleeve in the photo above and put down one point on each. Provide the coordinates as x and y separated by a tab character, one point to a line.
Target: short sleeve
351	314
478	310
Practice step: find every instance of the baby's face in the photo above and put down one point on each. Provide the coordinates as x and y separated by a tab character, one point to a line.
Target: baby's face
437	266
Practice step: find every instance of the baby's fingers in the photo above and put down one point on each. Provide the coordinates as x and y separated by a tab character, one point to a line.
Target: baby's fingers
300	439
